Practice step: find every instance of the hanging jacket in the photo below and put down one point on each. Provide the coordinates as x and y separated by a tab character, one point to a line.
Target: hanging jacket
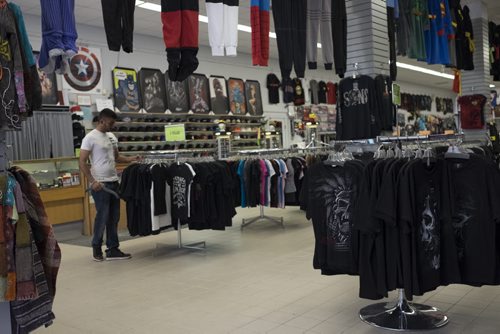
12	80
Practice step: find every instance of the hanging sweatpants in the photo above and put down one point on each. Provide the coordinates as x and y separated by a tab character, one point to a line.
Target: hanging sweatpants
319	16
119	23
180	34
290	25
260	20
58	33
339	29
223	26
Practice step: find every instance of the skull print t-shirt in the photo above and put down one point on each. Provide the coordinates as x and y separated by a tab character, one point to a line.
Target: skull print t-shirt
328	196
180	178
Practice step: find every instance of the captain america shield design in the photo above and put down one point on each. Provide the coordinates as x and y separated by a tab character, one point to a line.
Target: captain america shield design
84	70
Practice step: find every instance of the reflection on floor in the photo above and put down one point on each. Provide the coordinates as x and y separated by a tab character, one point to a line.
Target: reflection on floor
259	280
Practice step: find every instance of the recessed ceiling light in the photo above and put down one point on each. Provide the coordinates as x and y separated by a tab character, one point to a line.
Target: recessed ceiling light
492	86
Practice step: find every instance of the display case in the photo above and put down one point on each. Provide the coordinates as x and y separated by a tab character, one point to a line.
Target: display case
61	188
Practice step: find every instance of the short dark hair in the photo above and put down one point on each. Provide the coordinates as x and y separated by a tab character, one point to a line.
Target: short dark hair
108	113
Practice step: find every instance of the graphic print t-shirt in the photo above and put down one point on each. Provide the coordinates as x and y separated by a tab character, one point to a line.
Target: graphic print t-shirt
273	86
357	109
328	196
288	90
179	179
471	111
298	98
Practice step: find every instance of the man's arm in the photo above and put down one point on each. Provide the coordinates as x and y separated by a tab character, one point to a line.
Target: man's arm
84	156
123	159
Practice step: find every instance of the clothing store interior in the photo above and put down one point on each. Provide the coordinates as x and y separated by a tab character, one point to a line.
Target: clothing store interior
249	166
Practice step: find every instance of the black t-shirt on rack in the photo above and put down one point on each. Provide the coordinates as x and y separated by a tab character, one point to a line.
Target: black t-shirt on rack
474	217
179	179
357	109
328	196
421	216
273	86
159	177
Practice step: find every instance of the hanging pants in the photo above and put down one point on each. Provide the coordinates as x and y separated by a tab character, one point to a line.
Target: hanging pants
119	23
223	26
391	30
290	26
319	17
58	33
339	29
180	34
260	20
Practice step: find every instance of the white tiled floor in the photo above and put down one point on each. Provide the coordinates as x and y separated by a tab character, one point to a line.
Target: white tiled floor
259	280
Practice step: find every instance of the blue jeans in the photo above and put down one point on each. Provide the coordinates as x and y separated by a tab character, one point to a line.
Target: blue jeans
107	216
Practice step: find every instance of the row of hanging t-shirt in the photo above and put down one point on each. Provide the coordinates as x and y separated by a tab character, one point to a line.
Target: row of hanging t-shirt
160	195
406	223
269	182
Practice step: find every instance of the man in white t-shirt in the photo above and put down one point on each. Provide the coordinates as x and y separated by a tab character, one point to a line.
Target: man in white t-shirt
101	146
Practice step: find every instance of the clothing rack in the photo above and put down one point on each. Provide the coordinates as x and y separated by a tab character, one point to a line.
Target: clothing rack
402	315
262	216
173	157
5	320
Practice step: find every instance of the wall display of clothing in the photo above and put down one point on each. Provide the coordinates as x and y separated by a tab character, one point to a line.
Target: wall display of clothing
494	39
436	31
199	94
118	21
254	98
177	95
58	35
48	84
31	255
237	100
153	90
218	95
441	209
180	34
126	89
19	83
199	194
268	182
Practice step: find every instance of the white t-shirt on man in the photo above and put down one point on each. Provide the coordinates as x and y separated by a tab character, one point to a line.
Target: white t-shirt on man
102	156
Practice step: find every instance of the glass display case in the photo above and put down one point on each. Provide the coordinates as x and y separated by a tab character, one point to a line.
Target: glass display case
53	173
61	188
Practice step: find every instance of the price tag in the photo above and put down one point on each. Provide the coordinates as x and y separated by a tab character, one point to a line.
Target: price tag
175	133
396	94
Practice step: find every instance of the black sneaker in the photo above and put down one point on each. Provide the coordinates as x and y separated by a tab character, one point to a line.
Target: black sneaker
116	254
97	254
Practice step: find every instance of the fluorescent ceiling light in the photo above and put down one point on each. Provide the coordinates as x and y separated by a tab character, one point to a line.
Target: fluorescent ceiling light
425	70
492	86
248	29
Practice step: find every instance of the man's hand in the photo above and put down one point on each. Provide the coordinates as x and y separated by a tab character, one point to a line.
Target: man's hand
96	186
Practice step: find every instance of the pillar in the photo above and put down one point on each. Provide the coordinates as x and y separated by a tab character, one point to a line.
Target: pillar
478	81
367	37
